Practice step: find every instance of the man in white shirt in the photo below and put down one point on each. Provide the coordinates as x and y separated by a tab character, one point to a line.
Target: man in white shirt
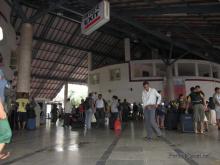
68	110
151	99
100	111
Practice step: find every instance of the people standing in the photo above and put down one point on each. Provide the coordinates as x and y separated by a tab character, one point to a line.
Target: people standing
67	111
216	99
54	114
211	107
100	111
22	112
114	111
5	132
37	110
151	99
135	111
89	109
82	110
125	110
198	102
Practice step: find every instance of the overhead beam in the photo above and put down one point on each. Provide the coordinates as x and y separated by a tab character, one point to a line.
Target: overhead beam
57	79
177	9
76	47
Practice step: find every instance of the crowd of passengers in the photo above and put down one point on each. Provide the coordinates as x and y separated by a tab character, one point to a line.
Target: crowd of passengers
95	109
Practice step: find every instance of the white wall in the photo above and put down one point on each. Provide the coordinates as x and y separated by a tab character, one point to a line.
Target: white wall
8	45
122	87
119	88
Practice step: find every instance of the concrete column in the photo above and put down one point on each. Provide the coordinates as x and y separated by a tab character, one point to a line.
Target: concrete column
211	71
176	69
154	70
170	84
127	49
89	61
219	72
25	55
196	69
65	94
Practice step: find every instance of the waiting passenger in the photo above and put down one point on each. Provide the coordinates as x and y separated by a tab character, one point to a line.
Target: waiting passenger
54	114
100	111
89	109
68	109
125	111
5	132
22	112
151	99
211	107
197	100
114	111
135	111
82	110
216	99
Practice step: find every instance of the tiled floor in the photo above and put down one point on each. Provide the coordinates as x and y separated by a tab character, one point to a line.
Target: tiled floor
57	146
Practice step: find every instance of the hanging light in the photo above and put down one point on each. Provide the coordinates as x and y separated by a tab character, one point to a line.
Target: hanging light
1	34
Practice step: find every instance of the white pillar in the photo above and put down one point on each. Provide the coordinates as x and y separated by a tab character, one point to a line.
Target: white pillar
170	84
154	70
211	71
196	69
176	69
25	55
65	94
127	49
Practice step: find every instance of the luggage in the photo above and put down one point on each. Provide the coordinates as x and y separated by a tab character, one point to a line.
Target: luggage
31	124
171	121
186	122
117	125
111	122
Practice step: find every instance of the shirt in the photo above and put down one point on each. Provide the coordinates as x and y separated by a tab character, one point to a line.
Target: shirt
22	104
114	106
100	103
68	107
3	85
151	97
217	100
196	98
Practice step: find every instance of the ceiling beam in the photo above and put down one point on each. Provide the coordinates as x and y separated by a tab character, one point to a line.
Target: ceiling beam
58	79
177	9
76	47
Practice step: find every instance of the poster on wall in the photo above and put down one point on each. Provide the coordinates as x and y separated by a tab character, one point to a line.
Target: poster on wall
115	74
94	79
179	87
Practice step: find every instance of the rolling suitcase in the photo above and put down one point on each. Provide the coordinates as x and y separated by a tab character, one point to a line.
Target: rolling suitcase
171	121
31	124
186	122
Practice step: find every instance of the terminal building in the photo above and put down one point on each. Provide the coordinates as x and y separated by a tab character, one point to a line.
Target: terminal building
111	47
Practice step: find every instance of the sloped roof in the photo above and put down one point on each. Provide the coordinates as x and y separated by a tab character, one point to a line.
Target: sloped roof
177	28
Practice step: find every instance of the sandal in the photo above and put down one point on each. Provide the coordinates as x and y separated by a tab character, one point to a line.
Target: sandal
4	155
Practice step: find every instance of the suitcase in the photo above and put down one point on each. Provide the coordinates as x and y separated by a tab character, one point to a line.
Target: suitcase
111	122
186	122
171	121
31	124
